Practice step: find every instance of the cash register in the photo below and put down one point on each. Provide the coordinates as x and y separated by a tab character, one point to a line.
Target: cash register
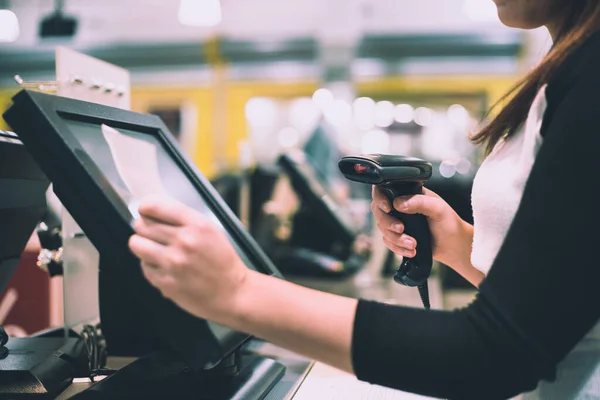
178	355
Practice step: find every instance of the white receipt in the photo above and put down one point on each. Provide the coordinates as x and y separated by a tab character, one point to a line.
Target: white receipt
137	163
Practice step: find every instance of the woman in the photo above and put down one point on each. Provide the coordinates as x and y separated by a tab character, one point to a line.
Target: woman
530	329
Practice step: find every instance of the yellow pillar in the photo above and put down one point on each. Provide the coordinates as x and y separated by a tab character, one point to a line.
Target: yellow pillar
222	137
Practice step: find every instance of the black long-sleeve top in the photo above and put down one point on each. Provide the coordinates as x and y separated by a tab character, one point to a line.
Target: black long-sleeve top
542	294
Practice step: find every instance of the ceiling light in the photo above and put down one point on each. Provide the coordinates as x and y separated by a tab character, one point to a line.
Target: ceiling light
338	113
463	166
261	112
304	114
423	116
323	98
458	115
405	113
200	13
384	114
9	26
364	113
288	137
375	141
447	169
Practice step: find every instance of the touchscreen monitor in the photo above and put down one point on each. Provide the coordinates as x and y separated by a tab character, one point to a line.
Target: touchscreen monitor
102	161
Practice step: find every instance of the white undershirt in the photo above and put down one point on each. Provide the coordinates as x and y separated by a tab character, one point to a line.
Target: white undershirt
499	183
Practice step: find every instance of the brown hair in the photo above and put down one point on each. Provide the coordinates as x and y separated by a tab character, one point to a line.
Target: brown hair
582	19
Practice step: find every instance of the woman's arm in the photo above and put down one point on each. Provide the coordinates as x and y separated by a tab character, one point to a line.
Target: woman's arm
539	300
316	324
541	296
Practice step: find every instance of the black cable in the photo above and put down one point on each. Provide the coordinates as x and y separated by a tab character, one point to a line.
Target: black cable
3	336
89	337
95	344
424	293
3	341
102	345
101	372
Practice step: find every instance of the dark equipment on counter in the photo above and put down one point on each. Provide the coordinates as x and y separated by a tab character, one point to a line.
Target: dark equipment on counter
336	233
41	367
65	137
22	202
38	367
323	241
3	341
399	176
163	375
315	241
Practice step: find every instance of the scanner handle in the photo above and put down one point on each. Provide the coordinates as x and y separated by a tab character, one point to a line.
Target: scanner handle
412	271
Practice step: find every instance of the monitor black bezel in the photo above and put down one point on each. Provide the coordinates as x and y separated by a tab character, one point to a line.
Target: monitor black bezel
76	179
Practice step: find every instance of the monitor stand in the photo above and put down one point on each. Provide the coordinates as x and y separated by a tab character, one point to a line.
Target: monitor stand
38	367
161	376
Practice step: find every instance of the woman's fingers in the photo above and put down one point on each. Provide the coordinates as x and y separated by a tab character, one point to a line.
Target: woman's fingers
386	221
149	251
391	228
154	271
430	193
404	241
155	230
431	206
401	251
380	200
164	210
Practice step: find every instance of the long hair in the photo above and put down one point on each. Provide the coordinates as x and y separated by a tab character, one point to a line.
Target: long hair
582	19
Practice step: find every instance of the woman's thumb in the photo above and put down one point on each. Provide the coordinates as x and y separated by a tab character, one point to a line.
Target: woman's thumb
430	206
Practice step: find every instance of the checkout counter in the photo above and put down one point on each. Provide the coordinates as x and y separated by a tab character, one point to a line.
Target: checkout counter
143	346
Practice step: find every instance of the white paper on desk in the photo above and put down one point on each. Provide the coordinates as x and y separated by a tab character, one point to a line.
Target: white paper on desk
137	164
327	383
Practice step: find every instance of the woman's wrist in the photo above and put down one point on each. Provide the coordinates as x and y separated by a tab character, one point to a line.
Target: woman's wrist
461	237
316	324
243	300
460	259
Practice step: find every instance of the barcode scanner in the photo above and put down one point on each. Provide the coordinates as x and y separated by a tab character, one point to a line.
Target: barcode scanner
399	176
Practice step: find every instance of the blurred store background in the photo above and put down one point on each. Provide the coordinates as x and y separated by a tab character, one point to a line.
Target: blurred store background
243	82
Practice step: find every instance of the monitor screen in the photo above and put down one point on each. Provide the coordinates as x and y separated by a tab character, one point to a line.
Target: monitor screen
152	167
323	154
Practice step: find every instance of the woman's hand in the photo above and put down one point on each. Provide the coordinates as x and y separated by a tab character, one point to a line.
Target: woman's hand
191	261
451	236
188	258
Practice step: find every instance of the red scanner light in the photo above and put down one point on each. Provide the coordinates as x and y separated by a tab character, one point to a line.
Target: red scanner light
360	168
